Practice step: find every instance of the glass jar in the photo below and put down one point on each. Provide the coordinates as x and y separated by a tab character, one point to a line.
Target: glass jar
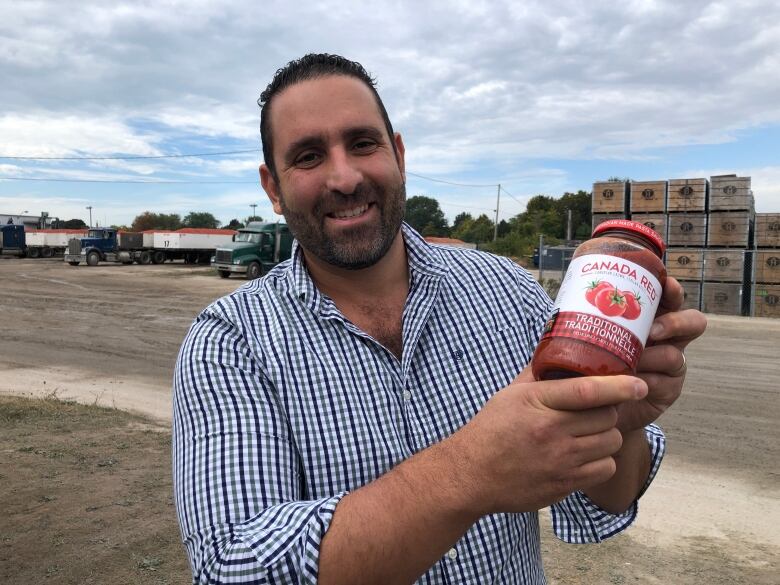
606	304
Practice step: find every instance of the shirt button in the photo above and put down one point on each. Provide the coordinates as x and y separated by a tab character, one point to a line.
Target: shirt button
407	395
452	553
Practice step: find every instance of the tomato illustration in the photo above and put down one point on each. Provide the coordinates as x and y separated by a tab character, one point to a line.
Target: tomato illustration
594	288
611	302
633	306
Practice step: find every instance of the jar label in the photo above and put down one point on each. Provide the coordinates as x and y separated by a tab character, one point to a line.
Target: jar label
606	301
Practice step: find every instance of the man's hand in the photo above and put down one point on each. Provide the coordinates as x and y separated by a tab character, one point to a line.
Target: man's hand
533	443
662	364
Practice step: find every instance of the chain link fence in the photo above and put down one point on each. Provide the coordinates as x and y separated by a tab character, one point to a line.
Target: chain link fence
722	281
553	263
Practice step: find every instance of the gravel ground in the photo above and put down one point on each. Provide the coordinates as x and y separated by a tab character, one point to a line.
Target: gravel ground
109	335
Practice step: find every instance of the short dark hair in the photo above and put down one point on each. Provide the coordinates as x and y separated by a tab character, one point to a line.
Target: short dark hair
311	66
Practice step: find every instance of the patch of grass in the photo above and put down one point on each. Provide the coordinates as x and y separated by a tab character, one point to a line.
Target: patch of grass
17	410
149	563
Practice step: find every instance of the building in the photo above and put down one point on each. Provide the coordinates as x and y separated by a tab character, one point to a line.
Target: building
41	221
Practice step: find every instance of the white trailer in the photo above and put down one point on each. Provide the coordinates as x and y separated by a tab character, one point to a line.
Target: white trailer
48	243
194	246
182	240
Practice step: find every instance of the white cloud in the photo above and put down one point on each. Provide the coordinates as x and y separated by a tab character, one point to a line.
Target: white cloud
52	135
475	87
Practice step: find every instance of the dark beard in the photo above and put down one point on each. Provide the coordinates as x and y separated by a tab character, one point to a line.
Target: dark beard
361	247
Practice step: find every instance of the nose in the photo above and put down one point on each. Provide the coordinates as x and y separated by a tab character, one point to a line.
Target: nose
343	176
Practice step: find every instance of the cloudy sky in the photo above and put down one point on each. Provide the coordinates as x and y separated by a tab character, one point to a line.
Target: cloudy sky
541	97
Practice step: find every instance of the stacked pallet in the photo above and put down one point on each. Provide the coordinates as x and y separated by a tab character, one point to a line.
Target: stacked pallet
728	260
610	201
766	275
712	235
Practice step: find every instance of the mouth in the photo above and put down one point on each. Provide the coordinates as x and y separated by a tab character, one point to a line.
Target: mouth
351	213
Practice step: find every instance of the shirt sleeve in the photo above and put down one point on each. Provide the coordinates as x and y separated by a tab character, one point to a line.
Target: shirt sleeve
239	497
577	520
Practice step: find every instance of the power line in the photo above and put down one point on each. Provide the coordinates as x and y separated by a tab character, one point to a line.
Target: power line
512	196
130	181
253	182
447	182
130	157
464	206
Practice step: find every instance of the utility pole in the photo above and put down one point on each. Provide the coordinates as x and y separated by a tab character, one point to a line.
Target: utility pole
90	215
498	200
568	227
254	207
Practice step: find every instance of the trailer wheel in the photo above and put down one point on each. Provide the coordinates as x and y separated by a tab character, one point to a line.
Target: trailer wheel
34	252
253	271
73	263
158	257
93	258
47	252
224	273
190	258
144	258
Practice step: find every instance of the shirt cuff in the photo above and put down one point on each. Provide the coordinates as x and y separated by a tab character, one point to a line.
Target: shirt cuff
577	520
281	544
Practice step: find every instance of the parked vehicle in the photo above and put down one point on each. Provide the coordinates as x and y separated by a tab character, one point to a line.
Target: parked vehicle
35	243
192	245
255	250
50	242
12	240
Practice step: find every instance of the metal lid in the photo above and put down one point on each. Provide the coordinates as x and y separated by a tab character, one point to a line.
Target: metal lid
632	226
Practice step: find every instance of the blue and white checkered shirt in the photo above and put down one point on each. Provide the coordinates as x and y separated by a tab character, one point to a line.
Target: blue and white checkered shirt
282	406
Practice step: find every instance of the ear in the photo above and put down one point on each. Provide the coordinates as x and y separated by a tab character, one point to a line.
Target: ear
271	187
400	149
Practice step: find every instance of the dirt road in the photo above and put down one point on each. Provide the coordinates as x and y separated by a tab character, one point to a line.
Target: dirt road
110	334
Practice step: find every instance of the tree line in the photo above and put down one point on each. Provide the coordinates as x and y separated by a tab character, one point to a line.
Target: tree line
517	237
149	220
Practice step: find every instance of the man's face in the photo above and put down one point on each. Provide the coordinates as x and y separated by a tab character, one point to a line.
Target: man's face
340	186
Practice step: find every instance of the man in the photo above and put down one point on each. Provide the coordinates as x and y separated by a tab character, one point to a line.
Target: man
362	413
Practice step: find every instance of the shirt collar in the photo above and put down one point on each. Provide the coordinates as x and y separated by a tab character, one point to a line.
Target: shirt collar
424	260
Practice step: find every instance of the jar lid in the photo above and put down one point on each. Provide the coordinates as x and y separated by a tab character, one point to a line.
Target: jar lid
632	226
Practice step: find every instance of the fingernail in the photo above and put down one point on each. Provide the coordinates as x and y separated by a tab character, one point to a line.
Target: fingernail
640	389
656	330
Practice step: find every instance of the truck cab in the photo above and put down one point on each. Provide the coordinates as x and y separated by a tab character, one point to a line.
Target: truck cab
12	239
93	248
254	250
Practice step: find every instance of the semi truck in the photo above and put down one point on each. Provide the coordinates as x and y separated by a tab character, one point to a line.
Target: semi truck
256	249
35	243
12	240
193	245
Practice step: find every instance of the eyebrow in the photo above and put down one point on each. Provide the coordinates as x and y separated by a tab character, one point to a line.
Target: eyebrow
318	140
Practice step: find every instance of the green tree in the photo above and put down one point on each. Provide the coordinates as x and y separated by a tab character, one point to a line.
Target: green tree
253	218
233	224
475	231
73	224
200	219
425	215
460	218
156	221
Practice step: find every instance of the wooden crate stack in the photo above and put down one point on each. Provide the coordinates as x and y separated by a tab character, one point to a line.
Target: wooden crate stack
687	235
610	201
727	261
766	271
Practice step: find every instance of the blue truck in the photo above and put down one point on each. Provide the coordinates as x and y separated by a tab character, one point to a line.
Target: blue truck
108	245
193	245
12	240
